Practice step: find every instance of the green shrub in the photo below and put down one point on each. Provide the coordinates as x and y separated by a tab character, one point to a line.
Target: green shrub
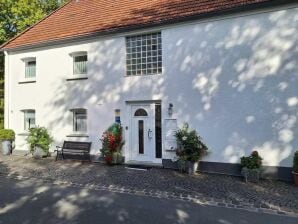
7	134
39	136
190	144
254	161
295	163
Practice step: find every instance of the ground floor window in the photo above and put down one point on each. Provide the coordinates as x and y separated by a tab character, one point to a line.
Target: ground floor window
29	119
80	120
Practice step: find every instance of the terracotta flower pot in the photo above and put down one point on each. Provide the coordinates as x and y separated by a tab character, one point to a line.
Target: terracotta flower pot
295	175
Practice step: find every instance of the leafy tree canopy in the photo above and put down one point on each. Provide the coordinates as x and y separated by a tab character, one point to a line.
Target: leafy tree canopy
17	15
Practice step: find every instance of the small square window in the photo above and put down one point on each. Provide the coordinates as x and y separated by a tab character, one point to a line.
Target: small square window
29	119
80	64
30	69
80	120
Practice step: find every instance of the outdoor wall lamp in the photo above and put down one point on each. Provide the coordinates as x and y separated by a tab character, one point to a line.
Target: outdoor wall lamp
170	110
117	116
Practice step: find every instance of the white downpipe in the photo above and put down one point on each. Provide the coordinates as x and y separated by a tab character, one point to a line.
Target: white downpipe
6	90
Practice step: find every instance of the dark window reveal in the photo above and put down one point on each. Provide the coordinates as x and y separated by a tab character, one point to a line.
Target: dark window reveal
141	137
158	130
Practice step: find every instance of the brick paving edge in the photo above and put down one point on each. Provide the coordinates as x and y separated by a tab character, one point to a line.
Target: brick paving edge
158	194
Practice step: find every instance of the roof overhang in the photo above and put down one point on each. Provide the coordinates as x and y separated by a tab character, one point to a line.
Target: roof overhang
273	4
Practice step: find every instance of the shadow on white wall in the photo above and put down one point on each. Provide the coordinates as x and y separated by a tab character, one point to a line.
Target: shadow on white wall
234	80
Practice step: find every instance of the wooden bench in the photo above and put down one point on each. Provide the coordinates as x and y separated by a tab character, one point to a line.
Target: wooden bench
74	148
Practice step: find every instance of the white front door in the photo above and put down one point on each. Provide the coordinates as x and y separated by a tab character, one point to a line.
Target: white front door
142	147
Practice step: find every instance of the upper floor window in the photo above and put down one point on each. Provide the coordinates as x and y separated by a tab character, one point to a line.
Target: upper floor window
30	67
144	54
80	60
80	120
29	119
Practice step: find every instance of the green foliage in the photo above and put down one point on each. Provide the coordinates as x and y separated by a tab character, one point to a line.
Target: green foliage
17	15
190	144
49	6
7	134
295	162
39	136
112	143
254	161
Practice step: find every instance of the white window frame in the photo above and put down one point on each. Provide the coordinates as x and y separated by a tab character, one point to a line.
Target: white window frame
73	56
144	54
24	78
82	111
28	125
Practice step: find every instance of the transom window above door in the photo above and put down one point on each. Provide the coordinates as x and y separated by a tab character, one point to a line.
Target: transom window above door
144	54
141	113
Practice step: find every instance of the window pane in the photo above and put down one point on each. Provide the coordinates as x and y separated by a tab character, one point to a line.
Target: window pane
80	64
140	112
30	69
158	131
141	137
144	47
29	119
81	58
80	121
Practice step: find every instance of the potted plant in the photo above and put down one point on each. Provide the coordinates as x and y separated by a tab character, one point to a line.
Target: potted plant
112	143
7	136
295	169
251	167
39	141
190	149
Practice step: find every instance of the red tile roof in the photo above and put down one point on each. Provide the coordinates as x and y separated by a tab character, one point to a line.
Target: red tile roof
88	17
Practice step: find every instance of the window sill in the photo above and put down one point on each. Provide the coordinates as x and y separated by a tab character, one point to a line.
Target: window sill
29	80
142	75
78	135
24	134
77	77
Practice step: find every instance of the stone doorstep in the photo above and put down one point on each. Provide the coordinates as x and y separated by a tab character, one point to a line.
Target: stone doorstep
163	195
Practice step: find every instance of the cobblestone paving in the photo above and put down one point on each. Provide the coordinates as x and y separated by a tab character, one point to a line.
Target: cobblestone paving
219	190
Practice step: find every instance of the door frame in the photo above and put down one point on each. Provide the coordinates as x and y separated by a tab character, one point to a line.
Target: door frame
129	106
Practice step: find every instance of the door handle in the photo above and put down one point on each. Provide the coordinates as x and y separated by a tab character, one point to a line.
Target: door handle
149	133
